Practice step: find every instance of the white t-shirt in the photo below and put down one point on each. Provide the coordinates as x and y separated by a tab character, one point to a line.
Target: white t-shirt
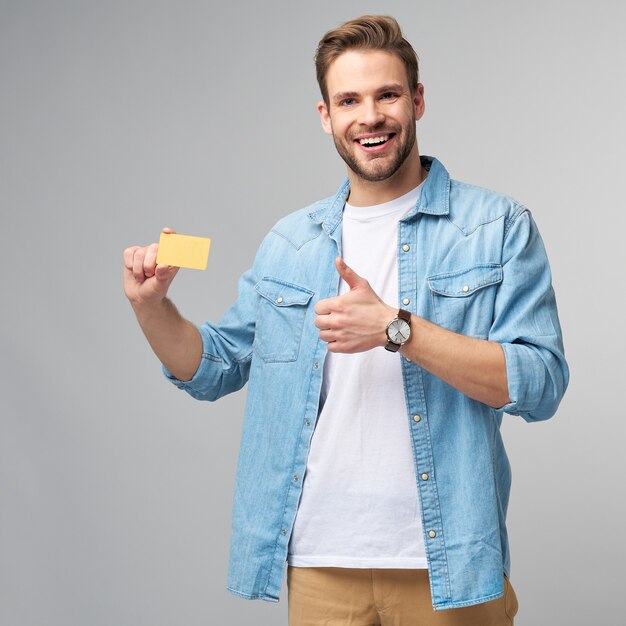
359	505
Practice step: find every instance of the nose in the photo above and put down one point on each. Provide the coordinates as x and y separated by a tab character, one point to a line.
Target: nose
371	113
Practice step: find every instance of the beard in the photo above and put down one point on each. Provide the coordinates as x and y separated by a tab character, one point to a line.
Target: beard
377	168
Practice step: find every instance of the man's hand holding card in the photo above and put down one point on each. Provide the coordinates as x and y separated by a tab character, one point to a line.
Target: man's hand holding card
149	270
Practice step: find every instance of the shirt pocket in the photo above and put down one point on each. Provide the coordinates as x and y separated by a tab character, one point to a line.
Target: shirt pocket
280	319
463	301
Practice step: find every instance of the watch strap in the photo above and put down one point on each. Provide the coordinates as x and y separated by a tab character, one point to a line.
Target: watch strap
404	315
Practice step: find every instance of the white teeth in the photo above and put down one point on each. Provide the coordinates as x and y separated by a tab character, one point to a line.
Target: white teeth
372	141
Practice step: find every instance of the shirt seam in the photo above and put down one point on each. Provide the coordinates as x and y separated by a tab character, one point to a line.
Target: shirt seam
218	359
508	224
251	596
455	605
467	233
291	243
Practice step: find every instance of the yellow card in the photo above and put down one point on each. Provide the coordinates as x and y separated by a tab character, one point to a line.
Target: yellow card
183	251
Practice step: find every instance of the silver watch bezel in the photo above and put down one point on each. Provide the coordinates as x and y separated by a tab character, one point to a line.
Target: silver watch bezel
408	333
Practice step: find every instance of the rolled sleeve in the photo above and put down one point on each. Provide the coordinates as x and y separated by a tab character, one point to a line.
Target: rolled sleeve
537	381
214	377
526	324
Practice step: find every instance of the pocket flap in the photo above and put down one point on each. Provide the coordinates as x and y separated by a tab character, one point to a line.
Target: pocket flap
465	282
282	293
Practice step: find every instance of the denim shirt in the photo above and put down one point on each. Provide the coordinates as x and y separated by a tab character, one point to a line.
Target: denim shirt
470	260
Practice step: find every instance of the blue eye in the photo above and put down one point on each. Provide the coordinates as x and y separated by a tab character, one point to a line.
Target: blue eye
389	95
347	102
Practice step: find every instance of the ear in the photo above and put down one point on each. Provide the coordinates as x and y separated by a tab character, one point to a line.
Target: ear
418	102
327	125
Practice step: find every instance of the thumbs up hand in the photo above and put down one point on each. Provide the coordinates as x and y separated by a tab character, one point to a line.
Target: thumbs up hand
355	321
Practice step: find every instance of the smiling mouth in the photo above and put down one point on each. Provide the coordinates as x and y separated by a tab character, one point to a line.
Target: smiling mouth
374	142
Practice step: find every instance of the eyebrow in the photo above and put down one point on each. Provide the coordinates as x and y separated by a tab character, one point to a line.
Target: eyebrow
342	95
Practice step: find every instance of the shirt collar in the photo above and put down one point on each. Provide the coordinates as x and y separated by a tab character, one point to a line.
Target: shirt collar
434	198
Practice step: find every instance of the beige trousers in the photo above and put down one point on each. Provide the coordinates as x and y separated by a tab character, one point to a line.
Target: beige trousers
337	596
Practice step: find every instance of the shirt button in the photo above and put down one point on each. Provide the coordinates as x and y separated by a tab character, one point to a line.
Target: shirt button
432	534
406	358
295	477
307	421
279	299
316	365
417	418
406	301
283	532
406	247
465	288
424	476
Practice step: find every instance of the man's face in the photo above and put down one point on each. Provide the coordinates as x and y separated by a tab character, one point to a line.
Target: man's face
371	112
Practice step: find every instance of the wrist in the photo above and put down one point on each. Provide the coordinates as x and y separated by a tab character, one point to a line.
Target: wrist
146	310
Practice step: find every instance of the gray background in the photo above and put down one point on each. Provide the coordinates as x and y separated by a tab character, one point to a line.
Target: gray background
119	118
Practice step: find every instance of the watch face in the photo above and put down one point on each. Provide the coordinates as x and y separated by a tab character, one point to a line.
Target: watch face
398	331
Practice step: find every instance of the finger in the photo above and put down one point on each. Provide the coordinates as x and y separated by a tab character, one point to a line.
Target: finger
168	231
328	305
328	336
138	259
165	273
149	262
129	254
350	277
334	346
322	322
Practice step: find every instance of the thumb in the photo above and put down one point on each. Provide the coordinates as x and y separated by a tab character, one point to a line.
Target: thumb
351	278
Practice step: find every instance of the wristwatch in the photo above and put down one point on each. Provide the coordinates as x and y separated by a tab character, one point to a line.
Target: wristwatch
398	331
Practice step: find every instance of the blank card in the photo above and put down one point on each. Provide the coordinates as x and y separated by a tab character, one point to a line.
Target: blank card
183	251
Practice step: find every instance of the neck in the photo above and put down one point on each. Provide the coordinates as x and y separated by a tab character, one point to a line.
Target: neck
369	193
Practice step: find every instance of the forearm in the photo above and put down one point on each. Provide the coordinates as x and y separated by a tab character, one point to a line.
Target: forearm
175	340
475	367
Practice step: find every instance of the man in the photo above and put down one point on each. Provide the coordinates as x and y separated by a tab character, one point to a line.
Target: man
378	474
